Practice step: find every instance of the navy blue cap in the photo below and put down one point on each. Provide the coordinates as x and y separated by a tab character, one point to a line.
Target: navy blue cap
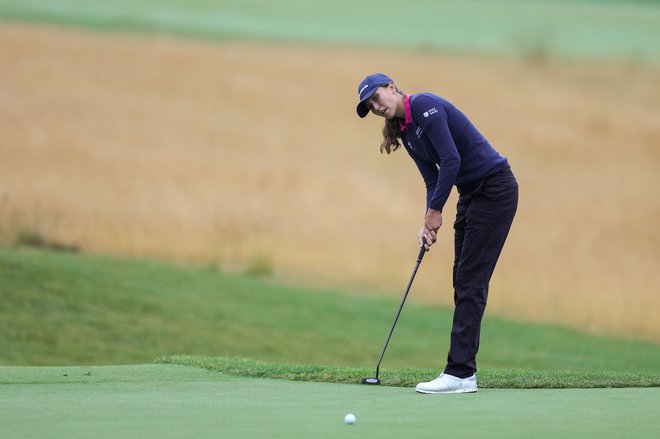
367	88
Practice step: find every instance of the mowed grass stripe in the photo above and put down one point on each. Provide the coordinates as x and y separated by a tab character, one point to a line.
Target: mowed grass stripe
535	28
488	378
173	402
63	308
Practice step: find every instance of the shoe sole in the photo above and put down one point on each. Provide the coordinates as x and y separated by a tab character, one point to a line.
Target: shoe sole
431	392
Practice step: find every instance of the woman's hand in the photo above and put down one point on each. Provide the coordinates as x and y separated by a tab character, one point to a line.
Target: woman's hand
432	223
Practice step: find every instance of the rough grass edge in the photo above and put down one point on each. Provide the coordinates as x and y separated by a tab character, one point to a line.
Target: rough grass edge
488	378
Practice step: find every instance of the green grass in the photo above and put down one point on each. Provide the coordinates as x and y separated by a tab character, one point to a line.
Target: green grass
66	308
69	308
603	29
409	377
167	401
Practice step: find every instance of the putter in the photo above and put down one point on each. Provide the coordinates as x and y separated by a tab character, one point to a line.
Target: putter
376	380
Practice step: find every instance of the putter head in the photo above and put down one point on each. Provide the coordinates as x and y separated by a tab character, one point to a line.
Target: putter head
370	381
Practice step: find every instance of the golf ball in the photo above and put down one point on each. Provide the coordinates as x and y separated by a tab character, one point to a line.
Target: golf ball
349	419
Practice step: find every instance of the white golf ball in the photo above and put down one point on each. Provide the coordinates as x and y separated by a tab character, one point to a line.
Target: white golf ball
349	419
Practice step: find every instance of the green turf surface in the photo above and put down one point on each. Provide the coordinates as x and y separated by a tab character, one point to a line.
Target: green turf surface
622	29
61	308
165	401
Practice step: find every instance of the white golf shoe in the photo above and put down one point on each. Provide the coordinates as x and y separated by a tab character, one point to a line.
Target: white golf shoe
449	384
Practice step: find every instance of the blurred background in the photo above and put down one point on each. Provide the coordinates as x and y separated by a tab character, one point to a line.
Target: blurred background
223	133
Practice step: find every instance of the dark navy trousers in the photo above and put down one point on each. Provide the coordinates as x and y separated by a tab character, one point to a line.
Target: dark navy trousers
484	214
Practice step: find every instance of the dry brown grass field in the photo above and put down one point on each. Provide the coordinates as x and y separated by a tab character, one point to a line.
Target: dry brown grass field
242	154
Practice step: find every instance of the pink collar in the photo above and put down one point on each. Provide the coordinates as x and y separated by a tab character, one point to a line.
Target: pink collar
403	123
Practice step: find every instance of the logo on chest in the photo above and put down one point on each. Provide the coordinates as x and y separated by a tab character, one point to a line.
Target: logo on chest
430	112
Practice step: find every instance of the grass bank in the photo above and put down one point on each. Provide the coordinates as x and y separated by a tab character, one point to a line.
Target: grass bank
65	308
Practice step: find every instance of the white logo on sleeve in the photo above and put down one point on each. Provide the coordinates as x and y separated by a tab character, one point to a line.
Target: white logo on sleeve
430	112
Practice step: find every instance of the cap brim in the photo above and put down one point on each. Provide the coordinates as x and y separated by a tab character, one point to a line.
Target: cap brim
362	109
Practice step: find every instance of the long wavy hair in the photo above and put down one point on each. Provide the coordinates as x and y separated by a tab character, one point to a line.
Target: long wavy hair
391	131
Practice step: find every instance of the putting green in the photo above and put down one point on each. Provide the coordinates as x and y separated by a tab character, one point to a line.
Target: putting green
168	401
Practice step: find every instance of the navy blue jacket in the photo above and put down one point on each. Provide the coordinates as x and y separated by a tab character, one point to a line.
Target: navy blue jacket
447	148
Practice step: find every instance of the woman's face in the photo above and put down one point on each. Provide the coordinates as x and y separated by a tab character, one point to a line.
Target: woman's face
386	102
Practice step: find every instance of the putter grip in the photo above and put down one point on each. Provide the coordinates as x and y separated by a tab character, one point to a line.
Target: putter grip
422	250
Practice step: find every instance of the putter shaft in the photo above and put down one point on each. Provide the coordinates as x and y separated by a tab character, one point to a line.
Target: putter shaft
396	318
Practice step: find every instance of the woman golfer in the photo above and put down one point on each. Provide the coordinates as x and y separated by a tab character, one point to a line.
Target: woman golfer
448	150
